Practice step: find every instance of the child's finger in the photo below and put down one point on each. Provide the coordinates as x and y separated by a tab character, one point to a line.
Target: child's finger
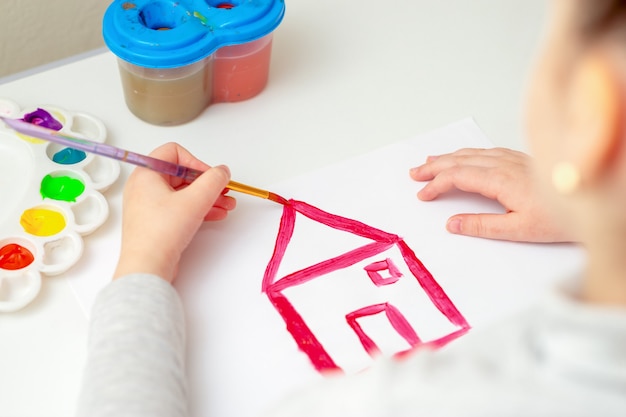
203	193
486	225
470	179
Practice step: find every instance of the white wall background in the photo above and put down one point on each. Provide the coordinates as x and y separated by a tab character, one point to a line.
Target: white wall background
37	32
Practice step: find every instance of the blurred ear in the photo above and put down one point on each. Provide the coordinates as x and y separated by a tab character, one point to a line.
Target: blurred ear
594	115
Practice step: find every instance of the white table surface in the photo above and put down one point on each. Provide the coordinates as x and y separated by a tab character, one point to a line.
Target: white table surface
347	77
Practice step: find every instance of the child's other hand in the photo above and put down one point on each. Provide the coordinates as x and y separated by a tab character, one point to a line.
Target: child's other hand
162	214
500	174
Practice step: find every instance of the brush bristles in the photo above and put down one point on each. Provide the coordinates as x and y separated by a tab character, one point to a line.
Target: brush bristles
278	199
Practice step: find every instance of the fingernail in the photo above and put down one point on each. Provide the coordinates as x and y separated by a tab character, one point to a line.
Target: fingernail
224	168
431	158
454	226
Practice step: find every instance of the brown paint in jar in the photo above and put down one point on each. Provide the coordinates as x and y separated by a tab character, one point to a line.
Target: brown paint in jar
167	96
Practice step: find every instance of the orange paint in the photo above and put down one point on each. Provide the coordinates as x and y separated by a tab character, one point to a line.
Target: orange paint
238	74
42	221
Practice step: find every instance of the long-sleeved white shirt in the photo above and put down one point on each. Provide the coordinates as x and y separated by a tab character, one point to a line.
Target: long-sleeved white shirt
560	358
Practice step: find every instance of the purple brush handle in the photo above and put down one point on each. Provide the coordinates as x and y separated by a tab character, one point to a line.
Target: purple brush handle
103	149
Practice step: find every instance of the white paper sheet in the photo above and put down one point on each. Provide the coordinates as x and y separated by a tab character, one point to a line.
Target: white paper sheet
242	356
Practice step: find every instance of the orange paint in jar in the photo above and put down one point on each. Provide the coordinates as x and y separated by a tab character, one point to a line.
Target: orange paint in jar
241	71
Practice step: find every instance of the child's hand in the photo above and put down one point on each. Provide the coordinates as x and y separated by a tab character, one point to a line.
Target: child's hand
162	214
500	174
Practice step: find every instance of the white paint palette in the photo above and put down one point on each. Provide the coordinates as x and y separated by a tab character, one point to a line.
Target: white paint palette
51	198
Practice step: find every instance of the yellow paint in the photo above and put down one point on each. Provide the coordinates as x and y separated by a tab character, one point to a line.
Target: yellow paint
58	116
30	139
42	222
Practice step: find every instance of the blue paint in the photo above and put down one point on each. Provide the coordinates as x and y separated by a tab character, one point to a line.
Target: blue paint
69	156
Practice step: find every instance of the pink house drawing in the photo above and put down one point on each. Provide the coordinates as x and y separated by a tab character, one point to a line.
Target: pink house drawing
380	270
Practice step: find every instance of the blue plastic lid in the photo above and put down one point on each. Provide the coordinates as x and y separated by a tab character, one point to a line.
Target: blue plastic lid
168	33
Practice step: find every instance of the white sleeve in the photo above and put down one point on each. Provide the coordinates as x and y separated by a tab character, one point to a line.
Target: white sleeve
136	351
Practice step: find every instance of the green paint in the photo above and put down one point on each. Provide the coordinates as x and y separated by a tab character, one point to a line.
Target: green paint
61	188
202	19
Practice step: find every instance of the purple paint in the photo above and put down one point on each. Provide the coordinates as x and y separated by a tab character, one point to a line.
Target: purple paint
41	117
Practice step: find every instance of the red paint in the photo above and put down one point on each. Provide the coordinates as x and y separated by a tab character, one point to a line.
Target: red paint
344	224
14	257
434	344
431	287
277	198
373	271
325	267
368	344
304	337
225	6
395	317
285	232
273	286
241	71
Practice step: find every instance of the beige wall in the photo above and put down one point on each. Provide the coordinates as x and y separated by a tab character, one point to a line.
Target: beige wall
37	32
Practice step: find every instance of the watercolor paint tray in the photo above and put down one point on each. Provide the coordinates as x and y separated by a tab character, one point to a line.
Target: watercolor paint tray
51	198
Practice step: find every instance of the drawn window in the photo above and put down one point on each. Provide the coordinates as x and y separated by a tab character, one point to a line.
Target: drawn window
375	271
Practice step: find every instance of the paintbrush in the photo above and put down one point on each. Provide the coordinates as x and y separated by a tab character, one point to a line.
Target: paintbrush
102	149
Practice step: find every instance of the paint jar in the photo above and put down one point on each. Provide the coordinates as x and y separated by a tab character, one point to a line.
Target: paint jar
241	71
176	58
167	96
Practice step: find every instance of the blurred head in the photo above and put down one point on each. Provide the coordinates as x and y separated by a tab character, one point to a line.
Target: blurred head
575	117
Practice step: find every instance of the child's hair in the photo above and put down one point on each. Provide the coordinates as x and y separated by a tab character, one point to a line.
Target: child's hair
598	17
